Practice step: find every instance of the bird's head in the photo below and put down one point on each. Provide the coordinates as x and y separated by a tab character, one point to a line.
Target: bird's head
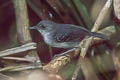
44	26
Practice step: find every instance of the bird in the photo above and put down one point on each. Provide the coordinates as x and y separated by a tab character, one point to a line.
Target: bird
63	35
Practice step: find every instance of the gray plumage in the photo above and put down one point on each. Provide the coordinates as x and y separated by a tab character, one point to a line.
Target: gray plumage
63	35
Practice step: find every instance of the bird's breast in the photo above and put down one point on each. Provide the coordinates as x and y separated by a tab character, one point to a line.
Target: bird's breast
48	39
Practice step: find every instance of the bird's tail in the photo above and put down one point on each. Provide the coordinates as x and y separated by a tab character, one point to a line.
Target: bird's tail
94	34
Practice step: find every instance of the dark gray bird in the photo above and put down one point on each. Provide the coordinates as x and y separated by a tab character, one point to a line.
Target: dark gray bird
63	35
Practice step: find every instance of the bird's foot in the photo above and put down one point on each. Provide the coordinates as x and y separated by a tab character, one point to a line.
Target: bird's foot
58	55
64	53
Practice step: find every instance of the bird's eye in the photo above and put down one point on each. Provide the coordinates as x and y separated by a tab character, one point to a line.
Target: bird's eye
43	27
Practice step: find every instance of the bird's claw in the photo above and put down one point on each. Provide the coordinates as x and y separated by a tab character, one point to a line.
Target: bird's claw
58	55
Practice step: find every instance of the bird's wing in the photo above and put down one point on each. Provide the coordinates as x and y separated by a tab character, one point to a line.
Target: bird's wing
70	33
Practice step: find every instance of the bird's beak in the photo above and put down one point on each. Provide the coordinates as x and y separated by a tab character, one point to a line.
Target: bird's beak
32	28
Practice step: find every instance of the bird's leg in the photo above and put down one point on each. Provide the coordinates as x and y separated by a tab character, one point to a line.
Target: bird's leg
51	52
64	53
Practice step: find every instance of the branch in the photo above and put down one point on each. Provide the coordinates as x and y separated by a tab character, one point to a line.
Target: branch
116	4
22	23
18	50
87	68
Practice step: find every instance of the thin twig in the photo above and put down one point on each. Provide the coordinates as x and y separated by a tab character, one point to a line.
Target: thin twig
18	59
21	67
